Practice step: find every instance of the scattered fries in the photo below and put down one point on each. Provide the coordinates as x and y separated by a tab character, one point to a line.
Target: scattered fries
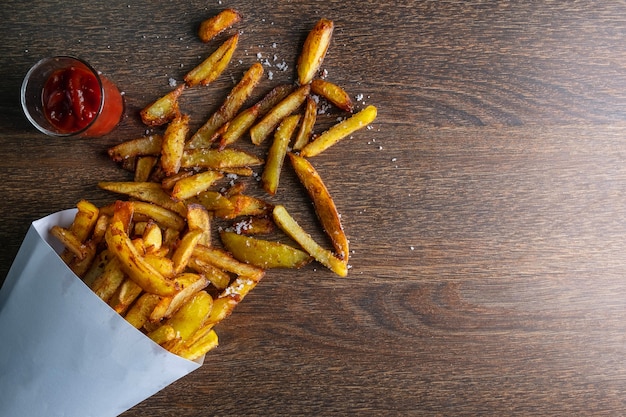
153	258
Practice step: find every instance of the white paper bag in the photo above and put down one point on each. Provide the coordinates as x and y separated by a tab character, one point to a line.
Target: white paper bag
64	352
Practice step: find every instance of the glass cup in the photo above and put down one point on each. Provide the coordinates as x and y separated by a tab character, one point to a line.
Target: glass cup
64	96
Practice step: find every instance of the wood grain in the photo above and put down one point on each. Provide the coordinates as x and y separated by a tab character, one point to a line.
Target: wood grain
485	208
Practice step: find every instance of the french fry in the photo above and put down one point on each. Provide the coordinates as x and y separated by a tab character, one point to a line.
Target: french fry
324	205
124	296
217	24
195	184
162	110
70	241
213	201
263	253
144	167
152	237
218	278
167	306
200	347
339	131
174	144
198	218
244	205
260	131
134	265
244	120
96	268
306	127
105	285
190	317
254	225
163	216
212	67
289	225
145	191
276	155
234	101
146	145
223	260
139	312
218	160
333	93
314	50
185	249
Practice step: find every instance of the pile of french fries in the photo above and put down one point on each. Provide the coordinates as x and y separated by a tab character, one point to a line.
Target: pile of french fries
152	257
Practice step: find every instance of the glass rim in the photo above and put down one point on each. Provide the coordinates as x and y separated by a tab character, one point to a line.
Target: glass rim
27	111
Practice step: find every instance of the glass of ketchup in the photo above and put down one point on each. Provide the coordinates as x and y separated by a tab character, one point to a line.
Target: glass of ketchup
65	96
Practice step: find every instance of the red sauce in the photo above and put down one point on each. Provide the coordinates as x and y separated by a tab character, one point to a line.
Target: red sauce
72	98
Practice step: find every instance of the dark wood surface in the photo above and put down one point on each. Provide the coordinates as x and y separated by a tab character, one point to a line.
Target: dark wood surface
486	208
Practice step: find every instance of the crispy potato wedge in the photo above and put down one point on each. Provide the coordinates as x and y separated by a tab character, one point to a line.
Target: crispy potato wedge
229	108
263	253
218	278
134	265
218	160
139	312
289	225
144	167
164	217
167	306
217	24
145	191
146	145
276	155
260	131
195	184
70	241
199	348
190	316
333	93
306	127
254	225
223	306
174	144
223	260
152	237
212	67
85	220
162	334
112	277
185	249
125	295
198	218
339	131
314	50
244	205
213	201
324	205
162	110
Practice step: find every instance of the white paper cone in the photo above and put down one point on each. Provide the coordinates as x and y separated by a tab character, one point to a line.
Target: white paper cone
64	352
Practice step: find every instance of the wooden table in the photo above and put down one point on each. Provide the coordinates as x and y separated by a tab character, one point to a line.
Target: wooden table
486	208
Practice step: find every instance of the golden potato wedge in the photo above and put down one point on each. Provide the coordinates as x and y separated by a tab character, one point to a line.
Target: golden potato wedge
162	264
183	252
162	334
198	218
223	306
306	127
276	154
314	50
70	241
167	306
213	201
218	160
144	167
164	217
152	237
217	24
139	312
244	205
85	220
162	110
218	278
324	205
264	254
260	131
195	184
134	265
253	225
145	191
223	260
96	268
146	145
333	93
229	108
289	225
212	67
174	144
339	131
105	285
199	348
124	296
190	316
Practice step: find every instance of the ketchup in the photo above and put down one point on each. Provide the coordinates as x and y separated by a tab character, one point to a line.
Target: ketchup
72	100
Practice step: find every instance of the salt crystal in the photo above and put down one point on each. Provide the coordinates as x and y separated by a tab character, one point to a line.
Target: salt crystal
172	82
